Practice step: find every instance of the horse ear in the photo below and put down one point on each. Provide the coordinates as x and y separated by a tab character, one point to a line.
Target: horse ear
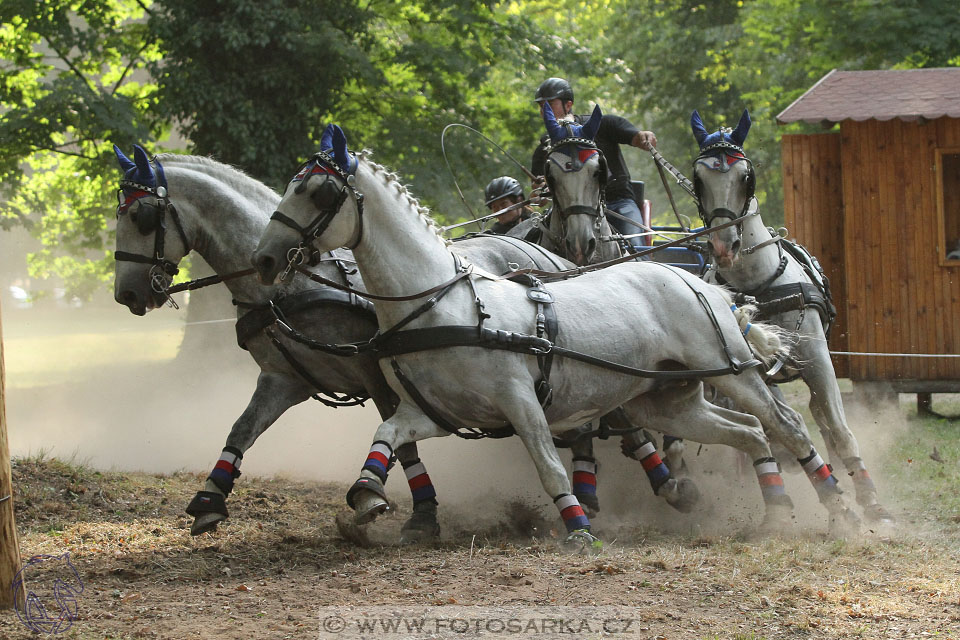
699	131
125	163
739	134
555	130
326	140
340	153
144	170
590	129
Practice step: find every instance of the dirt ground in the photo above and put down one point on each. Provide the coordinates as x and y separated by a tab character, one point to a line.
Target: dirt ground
278	568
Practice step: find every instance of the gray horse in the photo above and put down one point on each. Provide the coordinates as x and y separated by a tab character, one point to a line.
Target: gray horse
576	171
640	318
785	279
220	212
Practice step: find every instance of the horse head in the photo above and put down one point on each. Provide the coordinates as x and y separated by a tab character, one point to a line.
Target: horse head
146	258
306	218
576	172
724	182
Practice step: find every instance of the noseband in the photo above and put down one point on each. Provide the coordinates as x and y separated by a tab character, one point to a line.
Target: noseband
719	151
150	217
328	201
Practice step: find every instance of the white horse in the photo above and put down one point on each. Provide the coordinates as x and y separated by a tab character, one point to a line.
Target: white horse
220	213
783	278
453	367
576	173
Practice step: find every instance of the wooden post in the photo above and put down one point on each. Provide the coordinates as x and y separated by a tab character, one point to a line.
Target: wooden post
9	546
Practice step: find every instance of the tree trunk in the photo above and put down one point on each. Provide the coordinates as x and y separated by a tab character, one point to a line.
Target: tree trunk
9	546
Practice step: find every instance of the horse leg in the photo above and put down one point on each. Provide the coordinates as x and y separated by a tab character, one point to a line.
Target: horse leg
826	406
681	494
522	411
407	426
585	470
786	425
685	412
422	523
275	393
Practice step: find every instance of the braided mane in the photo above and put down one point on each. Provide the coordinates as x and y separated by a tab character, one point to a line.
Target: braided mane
391	179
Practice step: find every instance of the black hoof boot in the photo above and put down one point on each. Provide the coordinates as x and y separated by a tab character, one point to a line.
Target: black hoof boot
590	503
422	524
208	509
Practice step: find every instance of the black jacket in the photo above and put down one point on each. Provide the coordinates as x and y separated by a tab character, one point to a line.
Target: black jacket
614	131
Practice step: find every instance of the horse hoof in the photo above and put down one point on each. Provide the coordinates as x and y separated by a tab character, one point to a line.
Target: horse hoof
590	503
683	494
876	513
206	522
422	525
583	542
368	505
844	524
777	521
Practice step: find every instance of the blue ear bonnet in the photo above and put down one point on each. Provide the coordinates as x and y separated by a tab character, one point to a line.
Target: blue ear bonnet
558	132
334	142
736	137
140	171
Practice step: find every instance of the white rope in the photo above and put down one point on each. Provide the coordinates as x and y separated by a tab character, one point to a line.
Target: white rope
895	355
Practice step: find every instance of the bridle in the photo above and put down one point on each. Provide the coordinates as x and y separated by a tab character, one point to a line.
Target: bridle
581	150
328	199
147	207
721	150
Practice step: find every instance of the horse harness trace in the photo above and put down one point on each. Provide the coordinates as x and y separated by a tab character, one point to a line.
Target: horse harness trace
395	341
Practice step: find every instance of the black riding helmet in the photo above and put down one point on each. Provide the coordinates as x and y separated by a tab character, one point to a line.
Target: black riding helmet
501	188
553	88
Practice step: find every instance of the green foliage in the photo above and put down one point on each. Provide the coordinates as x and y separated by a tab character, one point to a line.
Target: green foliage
248	80
253	83
67	85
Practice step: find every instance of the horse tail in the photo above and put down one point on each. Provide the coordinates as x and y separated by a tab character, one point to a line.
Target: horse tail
768	341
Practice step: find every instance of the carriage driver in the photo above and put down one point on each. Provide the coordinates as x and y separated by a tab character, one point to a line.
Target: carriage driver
500	194
614	131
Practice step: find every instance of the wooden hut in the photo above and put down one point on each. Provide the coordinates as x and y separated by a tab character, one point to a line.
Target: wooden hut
879	204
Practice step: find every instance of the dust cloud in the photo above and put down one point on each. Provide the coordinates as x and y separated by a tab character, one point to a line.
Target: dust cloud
171	414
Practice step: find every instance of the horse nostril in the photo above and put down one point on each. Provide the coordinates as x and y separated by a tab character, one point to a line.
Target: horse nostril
591	247
264	263
128	298
735	248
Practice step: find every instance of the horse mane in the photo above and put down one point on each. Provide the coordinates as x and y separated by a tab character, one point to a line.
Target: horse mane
391	179
230	174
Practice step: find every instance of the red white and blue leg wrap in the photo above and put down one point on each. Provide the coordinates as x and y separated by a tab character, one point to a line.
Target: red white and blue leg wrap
820	475
585	476
378	460
421	488
657	472
227	469
771	482
572	513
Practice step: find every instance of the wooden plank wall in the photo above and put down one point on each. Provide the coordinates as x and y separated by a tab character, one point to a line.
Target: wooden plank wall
899	298
813	214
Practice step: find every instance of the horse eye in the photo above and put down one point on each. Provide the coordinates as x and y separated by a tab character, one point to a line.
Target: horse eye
569	166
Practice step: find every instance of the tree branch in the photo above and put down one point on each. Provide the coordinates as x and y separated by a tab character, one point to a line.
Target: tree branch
128	68
64	152
73	67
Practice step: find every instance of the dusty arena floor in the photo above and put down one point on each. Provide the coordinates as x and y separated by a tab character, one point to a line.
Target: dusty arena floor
279	569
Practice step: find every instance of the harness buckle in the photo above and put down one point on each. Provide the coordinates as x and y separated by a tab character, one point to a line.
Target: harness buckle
294	257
